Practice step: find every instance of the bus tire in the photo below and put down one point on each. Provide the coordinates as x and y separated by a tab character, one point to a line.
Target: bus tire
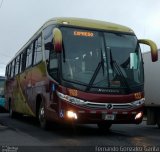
104	126
12	114
42	117
158	122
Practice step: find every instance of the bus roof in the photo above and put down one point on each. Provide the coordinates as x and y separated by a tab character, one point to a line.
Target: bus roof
90	23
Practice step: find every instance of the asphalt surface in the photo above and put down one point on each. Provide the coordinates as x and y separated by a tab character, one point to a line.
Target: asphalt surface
24	132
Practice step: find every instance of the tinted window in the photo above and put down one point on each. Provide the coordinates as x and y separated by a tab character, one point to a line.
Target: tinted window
83	53
6	74
12	68
23	61
9	70
50	54
48	40
38	51
17	65
29	56
20	63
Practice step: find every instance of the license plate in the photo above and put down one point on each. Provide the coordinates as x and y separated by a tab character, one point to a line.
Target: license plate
109	117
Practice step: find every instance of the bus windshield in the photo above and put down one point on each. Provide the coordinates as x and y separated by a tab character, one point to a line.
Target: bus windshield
101	59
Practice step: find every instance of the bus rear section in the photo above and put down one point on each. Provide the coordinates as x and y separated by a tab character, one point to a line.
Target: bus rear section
90	72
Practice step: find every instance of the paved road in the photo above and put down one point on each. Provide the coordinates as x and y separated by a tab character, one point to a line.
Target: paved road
24	131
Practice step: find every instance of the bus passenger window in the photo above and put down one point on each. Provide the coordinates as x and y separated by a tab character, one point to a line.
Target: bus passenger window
23	61
20	63
29	56
38	51
9	71
6	73
12	68
48	40
17	65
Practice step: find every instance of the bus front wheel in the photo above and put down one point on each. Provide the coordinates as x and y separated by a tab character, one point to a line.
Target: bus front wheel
41	116
158	121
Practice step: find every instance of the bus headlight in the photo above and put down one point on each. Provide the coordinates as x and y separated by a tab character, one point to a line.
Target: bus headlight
138	102
72	115
138	115
71	99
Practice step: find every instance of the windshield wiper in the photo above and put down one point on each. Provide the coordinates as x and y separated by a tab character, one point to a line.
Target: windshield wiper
100	64
114	65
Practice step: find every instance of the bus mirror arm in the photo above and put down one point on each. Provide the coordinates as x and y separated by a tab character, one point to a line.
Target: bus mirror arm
57	40
153	46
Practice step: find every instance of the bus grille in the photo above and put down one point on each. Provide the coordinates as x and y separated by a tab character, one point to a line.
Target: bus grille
108	106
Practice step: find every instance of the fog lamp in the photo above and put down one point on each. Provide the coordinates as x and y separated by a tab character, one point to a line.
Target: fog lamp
138	115
71	114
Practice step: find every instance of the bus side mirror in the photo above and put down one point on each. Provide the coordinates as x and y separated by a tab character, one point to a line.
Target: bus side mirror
153	46
57	40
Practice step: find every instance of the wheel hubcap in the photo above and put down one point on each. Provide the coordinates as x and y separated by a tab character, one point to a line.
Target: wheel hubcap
41	114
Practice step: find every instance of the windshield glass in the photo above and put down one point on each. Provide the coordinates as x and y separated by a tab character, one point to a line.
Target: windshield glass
101	59
82	56
125	58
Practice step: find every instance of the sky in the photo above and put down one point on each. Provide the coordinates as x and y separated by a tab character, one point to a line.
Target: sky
20	19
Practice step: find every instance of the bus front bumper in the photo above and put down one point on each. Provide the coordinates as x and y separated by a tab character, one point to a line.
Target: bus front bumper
91	117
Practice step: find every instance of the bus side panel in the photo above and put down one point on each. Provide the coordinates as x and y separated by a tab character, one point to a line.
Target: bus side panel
23	82
25	88
41	86
16	95
39	83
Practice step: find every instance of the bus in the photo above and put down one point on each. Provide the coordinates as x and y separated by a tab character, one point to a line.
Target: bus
2	98
77	70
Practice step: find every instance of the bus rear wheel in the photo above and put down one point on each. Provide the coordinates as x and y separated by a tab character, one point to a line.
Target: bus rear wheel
42	117
104	126
158	122
12	114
